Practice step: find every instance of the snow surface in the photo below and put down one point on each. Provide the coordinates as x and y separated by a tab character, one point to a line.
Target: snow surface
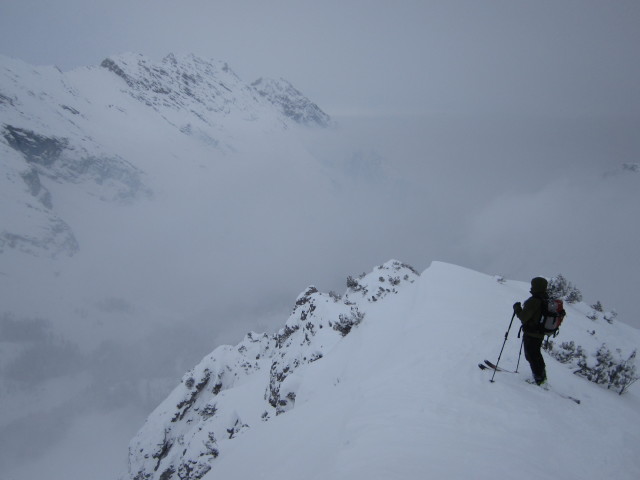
399	396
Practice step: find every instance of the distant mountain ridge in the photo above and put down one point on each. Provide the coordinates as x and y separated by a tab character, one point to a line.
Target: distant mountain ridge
203	88
292	103
65	128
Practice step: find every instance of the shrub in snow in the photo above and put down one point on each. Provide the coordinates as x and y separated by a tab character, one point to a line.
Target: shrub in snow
567	352
597	309
192	469
211	446
560	288
604	367
237	426
624	374
353	284
208	410
574	296
610	316
346	322
387	279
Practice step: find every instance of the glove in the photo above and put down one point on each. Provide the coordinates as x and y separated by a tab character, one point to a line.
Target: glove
517	308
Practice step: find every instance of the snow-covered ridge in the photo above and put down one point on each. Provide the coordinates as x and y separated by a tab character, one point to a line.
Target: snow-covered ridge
199	86
237	387
293	104
358	360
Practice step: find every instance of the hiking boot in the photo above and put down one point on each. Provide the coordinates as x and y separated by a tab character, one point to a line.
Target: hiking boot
541	381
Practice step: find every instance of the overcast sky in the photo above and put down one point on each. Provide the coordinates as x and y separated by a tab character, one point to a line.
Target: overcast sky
558	57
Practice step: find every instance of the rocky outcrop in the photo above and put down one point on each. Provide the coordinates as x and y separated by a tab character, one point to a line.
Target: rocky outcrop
36	149
54	158
291	102
234	388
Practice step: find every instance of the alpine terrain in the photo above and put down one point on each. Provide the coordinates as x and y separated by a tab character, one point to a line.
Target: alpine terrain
153	210
383	382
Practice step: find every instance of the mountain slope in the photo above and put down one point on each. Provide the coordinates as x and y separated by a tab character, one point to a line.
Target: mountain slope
104	130
291	102
395	394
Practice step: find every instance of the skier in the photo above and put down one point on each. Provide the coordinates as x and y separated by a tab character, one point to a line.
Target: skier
530	315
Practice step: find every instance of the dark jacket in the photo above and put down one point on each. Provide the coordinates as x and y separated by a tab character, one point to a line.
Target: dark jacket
531	312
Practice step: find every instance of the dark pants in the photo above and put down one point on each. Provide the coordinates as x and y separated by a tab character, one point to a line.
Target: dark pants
532	353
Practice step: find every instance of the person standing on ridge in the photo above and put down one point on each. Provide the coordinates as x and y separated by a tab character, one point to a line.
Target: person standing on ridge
530	314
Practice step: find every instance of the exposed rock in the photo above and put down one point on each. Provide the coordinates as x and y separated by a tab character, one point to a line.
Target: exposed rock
291	102
183	437
36	148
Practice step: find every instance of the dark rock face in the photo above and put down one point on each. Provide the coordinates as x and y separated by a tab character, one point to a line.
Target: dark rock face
189	83
36	148
53	158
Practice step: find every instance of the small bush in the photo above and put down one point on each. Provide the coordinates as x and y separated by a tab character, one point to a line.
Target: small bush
609	370
346	323
353	284
560	288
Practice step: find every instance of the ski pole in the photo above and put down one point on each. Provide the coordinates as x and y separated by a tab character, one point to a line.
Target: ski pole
503	344
519	355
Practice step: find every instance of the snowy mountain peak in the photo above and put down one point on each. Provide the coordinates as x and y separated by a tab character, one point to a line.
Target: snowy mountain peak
384	280
291	102
207	86
181	82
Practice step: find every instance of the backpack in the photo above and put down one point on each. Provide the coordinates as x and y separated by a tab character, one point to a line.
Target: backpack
552	316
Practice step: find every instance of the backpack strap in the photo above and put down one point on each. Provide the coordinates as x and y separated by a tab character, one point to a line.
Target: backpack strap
544	313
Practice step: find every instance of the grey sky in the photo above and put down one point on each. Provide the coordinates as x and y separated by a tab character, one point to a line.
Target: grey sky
560	57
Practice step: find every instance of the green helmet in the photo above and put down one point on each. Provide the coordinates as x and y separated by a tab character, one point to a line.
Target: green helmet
539	285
